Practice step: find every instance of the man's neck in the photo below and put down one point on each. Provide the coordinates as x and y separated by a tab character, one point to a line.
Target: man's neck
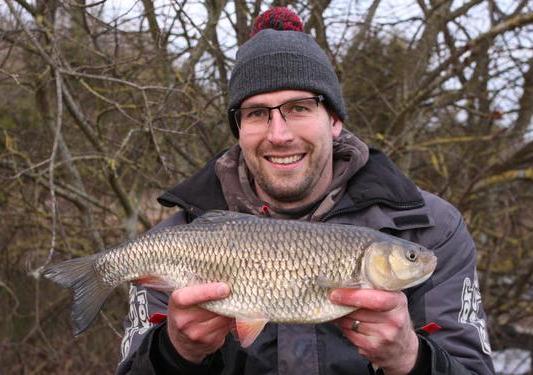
310	200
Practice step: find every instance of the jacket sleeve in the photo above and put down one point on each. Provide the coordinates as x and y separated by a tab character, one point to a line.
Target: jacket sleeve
146	348
451	298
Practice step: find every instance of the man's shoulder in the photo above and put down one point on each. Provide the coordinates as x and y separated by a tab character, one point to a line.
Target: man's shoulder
381	181
447	219
198	193
441	210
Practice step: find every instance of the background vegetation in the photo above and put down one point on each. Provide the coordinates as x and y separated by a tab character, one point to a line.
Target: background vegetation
105	104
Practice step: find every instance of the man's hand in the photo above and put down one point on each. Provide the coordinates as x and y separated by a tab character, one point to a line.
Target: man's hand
196	332
385	335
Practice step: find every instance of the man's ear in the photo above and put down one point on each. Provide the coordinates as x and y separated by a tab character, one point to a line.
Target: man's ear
336	125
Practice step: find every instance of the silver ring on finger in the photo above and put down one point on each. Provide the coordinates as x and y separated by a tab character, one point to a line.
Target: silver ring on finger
355	325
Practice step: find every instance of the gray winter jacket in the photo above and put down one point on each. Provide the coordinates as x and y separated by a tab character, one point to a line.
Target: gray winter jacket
379	196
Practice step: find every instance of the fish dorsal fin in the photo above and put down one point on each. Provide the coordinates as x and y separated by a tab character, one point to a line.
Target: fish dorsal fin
221	216
248	329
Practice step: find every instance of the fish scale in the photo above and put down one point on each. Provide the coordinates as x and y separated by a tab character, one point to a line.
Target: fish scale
277	270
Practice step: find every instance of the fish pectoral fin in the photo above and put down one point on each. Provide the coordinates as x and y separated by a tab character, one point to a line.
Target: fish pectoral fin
248	329
157	282
324	282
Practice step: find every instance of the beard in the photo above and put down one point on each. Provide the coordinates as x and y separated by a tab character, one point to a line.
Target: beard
291	186
285	191
287	187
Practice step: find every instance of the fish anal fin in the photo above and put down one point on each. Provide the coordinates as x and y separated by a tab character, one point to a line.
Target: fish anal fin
248	329
157	282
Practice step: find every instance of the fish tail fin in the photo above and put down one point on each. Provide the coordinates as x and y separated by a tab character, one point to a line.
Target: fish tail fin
90	291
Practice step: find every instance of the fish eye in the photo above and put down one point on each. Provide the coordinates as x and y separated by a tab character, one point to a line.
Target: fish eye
411	255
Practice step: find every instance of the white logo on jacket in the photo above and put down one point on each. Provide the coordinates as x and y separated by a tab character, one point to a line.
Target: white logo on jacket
469	314
138	317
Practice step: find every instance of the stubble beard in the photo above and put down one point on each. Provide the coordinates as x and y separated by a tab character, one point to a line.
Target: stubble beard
285	191
290	189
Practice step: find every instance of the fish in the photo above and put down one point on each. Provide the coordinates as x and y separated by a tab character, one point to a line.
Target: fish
278	270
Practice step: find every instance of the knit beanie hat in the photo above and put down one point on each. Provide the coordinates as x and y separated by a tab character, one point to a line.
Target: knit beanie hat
280	56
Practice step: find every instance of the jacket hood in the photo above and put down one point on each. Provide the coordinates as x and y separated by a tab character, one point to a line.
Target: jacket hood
380	181
238	186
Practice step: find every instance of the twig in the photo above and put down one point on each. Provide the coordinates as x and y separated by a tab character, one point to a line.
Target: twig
109	101
59	123
116	80
12	294
148	120
84	6
109	324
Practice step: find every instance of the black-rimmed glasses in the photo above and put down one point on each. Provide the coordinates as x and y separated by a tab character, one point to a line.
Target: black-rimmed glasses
257	118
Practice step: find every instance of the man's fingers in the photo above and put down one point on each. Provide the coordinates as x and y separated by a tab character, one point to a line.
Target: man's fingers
216	339
368	346
370	316
195	294
207	330
196	313
192	316
346	324
371	299
193	331
220	323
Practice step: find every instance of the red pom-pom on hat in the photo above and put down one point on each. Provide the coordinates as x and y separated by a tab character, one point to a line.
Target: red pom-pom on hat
277	18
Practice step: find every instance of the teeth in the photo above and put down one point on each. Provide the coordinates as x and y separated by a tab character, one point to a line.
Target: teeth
287	159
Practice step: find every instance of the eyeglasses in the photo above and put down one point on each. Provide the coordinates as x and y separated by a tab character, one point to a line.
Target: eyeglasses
293	112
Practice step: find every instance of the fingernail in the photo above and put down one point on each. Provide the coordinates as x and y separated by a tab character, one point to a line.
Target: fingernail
335	296
223	290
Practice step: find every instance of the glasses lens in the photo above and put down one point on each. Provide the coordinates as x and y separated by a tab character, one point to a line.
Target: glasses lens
300	109
252	116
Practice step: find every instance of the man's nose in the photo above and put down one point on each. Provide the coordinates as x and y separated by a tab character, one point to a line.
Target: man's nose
278	130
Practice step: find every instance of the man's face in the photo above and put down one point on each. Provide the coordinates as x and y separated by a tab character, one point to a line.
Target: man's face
291	162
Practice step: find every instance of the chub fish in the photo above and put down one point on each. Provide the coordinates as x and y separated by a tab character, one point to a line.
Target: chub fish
278	270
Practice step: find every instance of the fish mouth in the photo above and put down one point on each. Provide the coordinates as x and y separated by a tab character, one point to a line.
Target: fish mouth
285	160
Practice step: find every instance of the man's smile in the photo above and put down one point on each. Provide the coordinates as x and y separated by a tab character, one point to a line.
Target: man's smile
285	160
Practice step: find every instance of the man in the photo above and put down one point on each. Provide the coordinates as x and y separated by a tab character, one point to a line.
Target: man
295	161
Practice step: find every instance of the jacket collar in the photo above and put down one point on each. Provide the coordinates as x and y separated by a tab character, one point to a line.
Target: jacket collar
380	181
199	193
